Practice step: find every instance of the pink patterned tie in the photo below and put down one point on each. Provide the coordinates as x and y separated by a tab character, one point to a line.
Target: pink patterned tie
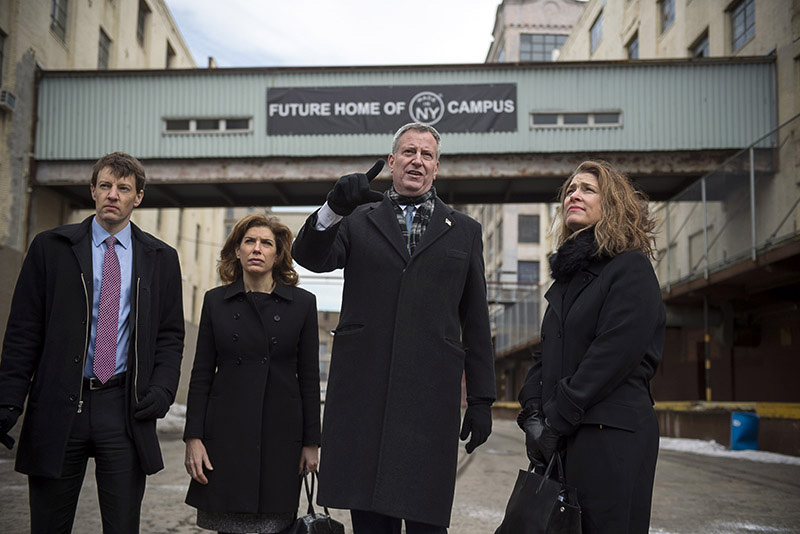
105	346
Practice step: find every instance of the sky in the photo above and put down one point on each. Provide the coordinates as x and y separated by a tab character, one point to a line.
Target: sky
305	33
293	33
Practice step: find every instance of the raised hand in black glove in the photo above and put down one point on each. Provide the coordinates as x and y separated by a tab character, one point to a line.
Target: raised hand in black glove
154	405
478	422
541	440
352	190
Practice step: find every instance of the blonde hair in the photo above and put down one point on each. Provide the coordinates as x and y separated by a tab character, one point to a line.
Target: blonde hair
625	222
230	268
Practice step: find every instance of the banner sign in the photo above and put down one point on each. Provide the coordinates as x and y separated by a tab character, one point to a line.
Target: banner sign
383	109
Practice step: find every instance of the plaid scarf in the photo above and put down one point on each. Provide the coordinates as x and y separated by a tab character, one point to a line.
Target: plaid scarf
421	218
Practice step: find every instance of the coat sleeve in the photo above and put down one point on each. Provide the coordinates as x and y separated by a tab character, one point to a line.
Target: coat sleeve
170	334
476	333
25	330
630	313
308	374
321	251
531	392
203	370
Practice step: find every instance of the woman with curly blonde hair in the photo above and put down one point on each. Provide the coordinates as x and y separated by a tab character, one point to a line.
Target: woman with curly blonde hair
253	412
587	395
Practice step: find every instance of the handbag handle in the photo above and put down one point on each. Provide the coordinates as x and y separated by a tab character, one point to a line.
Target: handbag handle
310	492
555	460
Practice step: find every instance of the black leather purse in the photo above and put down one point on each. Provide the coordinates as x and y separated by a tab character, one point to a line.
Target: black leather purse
541	504
312	522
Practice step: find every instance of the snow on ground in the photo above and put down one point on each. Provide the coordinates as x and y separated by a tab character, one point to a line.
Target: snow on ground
712	448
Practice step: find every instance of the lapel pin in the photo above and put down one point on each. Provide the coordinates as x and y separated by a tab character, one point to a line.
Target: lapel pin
448	222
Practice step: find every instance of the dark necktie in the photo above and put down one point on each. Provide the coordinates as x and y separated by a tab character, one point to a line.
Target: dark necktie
105	346
410	210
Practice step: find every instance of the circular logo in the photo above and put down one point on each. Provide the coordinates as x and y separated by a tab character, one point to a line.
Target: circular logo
426	107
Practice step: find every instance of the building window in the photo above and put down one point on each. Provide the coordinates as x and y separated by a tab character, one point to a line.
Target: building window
539	46
667	9
58	18
743	23
528	271
501	56
227	125
596	33
700	46
103	50
599	119
141	21
528	228
633	47
170	63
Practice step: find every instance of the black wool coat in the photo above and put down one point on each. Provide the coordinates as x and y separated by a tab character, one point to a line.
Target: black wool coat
410	326
602	341
44	351
254	398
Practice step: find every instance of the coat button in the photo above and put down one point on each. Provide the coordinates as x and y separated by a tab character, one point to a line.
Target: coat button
239	360
277	318
77	359
236	315
235	337
558	334
542	337
73	398
263	360
576	417
274	340
240	299
83	321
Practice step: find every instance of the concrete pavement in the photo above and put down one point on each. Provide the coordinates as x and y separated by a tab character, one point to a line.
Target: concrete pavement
694	494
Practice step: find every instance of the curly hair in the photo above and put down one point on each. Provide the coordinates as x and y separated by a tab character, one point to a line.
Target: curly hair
230	268
625	221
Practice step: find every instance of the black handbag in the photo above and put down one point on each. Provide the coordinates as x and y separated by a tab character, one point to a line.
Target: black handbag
541	504
312	522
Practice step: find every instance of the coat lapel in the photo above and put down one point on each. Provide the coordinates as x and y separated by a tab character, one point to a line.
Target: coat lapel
441	222
384	218
555	298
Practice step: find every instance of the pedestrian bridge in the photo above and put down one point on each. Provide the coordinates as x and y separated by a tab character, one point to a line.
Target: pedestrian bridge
511	131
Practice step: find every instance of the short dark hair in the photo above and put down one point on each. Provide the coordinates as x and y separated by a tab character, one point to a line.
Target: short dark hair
419	127
120	165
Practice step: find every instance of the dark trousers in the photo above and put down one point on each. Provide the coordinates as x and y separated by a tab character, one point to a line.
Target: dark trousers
98	431
375	523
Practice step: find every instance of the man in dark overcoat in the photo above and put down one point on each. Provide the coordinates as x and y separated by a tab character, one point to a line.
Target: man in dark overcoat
94	342
414	319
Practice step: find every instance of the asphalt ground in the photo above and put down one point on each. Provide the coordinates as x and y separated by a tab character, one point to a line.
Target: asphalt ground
694	494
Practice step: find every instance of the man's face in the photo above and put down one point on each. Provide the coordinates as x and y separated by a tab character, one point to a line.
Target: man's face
414	166
114	200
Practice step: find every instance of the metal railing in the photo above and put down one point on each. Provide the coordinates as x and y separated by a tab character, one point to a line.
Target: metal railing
514	308
731	213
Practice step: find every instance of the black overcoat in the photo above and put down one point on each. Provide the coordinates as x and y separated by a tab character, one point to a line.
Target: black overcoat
254	398
47	338
602	340
410	326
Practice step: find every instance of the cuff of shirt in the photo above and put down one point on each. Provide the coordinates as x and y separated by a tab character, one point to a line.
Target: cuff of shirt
326	218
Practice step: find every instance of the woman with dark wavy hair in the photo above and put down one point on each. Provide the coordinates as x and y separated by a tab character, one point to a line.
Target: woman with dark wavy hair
587	395
253	412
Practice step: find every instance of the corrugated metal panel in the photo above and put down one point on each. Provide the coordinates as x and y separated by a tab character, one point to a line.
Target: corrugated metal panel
679	105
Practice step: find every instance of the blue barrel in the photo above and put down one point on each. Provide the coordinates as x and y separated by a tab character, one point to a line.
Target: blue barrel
744	431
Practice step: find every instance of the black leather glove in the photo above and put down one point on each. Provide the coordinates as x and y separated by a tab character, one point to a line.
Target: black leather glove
8	418
352	190
541	440
154	405
478	422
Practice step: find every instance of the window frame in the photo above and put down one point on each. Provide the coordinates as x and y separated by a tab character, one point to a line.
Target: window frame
741	7
101	49
141	22
666	18
535	223
222	128
631	42
702	39
598	23
561	123
555	41
58	24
